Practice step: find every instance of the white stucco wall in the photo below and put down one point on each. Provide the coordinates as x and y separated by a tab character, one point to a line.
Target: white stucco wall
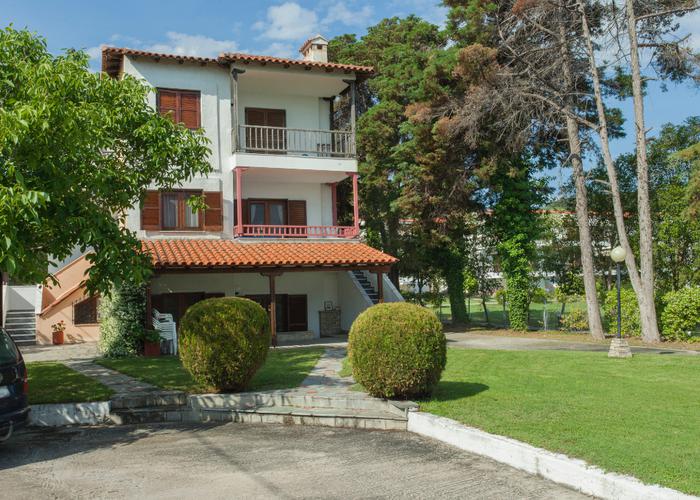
352	302
317	286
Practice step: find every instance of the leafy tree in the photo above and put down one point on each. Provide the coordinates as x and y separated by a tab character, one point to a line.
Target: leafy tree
78	150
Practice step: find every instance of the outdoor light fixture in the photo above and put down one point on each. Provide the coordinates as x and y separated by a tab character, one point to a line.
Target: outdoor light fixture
619	348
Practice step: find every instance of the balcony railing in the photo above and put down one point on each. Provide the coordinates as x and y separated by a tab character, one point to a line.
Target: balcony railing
261	231
296	141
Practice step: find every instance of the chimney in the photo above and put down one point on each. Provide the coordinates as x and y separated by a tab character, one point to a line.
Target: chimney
315	49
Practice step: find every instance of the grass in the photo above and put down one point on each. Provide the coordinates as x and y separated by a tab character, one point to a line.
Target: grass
638	416
51	382
283	369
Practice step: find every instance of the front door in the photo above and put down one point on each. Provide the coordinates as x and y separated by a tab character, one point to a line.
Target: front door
291	311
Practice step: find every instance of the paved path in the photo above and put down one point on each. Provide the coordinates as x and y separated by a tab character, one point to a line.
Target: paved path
324	377
253	461
86	350
470	340
121	384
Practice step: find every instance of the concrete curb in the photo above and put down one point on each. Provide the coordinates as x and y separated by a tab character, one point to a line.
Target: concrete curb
56	415
556	467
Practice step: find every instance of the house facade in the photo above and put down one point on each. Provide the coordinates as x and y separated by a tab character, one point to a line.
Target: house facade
270	231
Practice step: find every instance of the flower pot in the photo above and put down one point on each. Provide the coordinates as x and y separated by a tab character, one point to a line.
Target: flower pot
57	338
151	349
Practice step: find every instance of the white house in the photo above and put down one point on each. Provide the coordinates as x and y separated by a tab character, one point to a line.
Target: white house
270	231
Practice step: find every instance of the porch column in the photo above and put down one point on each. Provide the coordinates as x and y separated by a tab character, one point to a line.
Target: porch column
239	201
355	203
273	304
380	286
334	201
148	321
234	107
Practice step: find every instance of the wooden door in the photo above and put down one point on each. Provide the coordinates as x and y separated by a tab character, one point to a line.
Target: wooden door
297	313
262	138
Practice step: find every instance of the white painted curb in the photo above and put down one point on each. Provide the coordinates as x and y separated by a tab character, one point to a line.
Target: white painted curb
556	467
56	415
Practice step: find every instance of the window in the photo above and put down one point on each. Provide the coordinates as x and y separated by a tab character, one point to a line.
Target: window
267	212
181	105
85	312
176	213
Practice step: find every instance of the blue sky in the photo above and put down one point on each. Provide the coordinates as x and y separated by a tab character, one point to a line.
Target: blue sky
207	27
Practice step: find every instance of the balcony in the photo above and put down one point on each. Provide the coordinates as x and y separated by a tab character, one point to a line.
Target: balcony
295	141
270	231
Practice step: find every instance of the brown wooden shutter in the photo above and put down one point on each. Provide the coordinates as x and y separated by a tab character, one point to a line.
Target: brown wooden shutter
296	212
297	314
246	213
189	109
213	215
150	212
167	104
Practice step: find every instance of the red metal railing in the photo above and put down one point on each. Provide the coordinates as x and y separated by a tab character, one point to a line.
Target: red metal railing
261	231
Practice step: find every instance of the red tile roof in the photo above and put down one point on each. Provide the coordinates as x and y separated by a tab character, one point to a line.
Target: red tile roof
112	60
228	253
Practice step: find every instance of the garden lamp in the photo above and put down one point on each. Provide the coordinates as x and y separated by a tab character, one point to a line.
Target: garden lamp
619	347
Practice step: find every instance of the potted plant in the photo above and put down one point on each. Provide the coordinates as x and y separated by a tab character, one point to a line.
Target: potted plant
151	343
58	330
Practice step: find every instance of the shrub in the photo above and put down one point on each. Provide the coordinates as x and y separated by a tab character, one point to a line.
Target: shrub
224	341
397	350
575	320
122	321
680	319
631	325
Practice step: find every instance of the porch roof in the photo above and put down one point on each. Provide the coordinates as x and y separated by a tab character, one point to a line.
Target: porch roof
236	255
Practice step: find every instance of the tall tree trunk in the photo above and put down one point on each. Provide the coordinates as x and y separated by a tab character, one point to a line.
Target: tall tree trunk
602	130
650	328
595	324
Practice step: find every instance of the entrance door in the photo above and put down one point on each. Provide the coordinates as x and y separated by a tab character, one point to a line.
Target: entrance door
280	308
267	133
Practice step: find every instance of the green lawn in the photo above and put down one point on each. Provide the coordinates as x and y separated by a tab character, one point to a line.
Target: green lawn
56	383
283	369
639	416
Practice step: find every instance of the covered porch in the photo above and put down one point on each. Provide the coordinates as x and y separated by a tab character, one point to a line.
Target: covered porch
310	289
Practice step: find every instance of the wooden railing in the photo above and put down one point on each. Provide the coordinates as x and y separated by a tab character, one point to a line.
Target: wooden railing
251	230
296	141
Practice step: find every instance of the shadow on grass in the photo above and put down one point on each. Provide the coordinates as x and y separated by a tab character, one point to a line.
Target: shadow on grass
451	390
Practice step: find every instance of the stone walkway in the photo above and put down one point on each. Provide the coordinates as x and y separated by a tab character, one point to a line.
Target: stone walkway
121	384
85	350
324	378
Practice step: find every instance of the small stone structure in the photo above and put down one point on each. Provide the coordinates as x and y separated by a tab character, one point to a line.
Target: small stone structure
329	322
619	348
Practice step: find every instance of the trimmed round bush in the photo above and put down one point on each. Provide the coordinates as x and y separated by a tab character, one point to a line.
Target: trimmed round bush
397	350
680	319
224	341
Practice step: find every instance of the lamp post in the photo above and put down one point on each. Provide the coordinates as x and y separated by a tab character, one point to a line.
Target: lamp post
619	348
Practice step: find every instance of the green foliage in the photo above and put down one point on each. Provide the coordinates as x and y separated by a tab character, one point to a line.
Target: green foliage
537	295
680	319
630	312
397	350
78	150
122	320
575	320
224	341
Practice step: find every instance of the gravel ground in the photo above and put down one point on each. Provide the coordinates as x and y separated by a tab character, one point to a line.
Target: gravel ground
250	461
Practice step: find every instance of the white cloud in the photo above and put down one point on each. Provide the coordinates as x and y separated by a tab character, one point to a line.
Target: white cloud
340	13
690	24
280	49
430	10
192	45
288	21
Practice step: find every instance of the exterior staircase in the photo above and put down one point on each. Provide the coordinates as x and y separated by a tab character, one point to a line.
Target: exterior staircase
21	325
363	280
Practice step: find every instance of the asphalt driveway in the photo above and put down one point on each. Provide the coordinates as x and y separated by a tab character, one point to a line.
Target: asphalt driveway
248	461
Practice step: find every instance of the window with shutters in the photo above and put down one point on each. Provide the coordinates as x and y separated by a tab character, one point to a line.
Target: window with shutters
85	312
169	210
176	213
182	106
267	212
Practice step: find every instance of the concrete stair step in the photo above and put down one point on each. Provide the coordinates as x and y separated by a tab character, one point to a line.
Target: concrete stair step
288	415
149	399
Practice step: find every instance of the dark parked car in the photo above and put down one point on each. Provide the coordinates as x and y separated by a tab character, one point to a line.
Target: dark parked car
14	407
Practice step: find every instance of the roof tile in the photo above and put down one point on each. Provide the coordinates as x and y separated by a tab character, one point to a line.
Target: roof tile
229	253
